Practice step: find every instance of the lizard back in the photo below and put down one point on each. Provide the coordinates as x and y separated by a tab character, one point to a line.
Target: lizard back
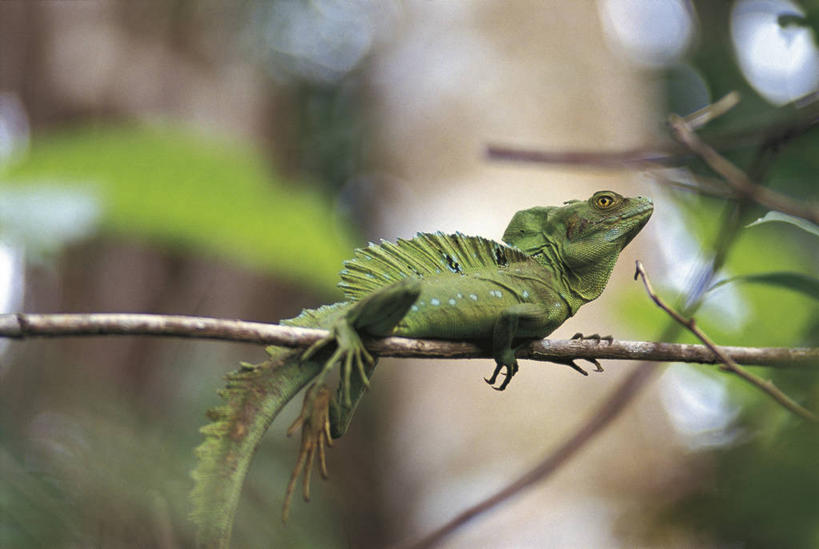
428	254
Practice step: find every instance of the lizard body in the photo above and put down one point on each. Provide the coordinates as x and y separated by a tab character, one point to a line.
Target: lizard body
554	260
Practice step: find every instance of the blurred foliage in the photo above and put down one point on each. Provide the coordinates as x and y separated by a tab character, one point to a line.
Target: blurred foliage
101	473
107	470
112	464
761	488
192	193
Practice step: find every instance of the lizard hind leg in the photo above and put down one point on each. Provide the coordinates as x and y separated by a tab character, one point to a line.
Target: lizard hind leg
376	314
322	416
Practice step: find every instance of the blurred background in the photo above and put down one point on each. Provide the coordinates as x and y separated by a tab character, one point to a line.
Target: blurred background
222	158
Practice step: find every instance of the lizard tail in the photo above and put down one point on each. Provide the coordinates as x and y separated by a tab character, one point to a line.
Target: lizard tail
253	397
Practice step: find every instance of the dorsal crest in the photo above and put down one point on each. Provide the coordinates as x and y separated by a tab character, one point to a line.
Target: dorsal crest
380	265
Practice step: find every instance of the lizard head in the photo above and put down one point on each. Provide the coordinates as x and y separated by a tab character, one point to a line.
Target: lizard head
584	237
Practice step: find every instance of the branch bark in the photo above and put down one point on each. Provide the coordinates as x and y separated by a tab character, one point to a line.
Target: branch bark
23	326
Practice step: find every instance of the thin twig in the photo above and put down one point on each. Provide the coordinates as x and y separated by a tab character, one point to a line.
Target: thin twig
739	182
728	363
754	133
22	326
703	116
631	158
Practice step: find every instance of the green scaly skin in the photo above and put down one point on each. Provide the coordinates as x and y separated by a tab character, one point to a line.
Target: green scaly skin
437	286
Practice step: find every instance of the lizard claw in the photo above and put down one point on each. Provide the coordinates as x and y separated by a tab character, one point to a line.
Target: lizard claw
510	372
573	365
597	366
314	421
596	337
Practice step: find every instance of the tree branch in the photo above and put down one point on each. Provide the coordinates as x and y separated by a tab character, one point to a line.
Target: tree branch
755	133
728	363
22	326
738	180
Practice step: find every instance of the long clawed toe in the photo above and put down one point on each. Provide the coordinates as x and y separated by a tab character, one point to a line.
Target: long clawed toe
317	346
314	421
356	358
574	366
349	353
508	375
594	337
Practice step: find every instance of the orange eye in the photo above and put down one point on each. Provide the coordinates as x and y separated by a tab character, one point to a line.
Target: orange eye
604	201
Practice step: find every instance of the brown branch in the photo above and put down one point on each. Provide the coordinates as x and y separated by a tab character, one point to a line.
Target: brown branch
739	182
703	116
756	132
21	326
728	363
631	158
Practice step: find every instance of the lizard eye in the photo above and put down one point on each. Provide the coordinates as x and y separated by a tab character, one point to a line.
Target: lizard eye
604	201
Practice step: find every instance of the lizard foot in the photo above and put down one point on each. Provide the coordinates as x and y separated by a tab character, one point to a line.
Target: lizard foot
350	352
314	421
573	365
511	366
595	337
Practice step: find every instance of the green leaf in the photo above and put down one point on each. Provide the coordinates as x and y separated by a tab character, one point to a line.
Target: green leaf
798	282
182	190
785	218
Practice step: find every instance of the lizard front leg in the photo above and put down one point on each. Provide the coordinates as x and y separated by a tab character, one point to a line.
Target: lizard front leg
523	318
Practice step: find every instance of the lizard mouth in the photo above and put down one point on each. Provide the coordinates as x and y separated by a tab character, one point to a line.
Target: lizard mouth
646	207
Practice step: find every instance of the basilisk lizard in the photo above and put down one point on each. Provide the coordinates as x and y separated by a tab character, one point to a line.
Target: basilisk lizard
457	287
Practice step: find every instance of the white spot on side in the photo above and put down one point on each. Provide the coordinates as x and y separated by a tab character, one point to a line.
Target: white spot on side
460	296
474	297
452	301
414	308
434	301
420	303
525	294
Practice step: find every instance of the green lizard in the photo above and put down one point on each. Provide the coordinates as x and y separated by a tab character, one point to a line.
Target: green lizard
434	285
